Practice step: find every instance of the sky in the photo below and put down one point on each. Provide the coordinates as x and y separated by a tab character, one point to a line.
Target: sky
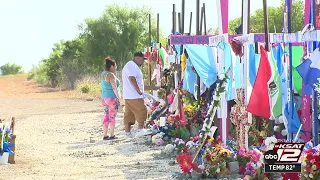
29	28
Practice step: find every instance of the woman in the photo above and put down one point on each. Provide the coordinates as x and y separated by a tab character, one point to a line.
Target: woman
110	97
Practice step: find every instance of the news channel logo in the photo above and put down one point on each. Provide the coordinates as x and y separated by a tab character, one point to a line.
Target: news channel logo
284	157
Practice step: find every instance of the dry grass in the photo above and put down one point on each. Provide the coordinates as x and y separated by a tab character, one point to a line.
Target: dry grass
17	86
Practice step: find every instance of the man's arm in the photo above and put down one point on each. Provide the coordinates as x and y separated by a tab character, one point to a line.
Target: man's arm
134	83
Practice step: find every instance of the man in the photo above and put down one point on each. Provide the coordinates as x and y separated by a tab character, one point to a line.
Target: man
133	88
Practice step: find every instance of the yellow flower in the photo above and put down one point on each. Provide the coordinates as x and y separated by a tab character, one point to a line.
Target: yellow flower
187	107
183	64
211	140
226	151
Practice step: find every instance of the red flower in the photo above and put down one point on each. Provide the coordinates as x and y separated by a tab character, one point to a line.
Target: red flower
309	157
318	164
185	162
260	139
217	141
308	169
290	176
195	139
184	149
318	21
310	151
242	169
208	157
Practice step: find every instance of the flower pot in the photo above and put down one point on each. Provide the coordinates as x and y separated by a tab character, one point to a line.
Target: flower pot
234	167
195	175
4	158
194	131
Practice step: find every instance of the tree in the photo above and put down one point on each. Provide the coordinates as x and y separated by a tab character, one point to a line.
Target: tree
71	62
52	68
118	33
275	19
8	69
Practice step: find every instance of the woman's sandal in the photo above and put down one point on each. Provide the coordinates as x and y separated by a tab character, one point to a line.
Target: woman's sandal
112	137
106	138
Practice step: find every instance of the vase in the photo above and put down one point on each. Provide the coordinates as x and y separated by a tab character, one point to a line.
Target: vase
4	158
234	167
194	131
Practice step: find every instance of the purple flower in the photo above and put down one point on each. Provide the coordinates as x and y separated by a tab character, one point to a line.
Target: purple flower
8	130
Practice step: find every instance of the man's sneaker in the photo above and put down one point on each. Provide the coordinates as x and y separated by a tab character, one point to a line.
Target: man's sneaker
143	132
128	135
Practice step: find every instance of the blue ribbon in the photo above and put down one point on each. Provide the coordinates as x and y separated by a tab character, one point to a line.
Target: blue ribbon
6	148
200	156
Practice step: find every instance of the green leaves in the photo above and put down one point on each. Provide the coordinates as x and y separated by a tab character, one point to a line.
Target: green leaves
8	69
275	18
118	32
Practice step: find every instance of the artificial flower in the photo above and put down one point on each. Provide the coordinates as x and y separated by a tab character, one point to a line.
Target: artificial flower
169	148
210	140
280	119
159	142
276	128
284	132
186	164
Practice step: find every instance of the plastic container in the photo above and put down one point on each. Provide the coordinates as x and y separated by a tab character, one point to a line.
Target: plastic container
4	158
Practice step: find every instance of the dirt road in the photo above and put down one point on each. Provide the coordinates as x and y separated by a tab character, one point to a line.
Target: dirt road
59	137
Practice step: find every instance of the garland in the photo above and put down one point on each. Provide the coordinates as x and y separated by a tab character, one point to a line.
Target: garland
211	112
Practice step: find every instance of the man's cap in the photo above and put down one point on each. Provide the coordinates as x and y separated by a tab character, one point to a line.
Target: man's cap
140	54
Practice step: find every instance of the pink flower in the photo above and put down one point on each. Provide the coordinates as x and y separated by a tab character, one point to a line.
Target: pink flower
242	152
159	142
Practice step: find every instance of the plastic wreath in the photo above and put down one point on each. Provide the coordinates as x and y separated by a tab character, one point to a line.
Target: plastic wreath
211	112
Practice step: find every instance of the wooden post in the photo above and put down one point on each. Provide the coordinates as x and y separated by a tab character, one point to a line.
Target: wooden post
149	63
182	31
190	23
173	19
179	22
204	19
266	25
198	33
201	21
158	28
12	141
182	15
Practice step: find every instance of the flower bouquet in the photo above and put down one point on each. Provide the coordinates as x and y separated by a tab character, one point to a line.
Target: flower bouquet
310	164
216	161
251	163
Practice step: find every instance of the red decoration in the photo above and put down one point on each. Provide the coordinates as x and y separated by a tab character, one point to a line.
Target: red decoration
236	47
290	176
185	162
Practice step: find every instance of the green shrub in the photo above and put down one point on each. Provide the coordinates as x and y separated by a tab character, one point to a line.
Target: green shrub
89	85
38	74
9	69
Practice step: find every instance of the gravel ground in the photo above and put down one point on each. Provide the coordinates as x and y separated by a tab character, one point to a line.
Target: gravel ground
61	138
